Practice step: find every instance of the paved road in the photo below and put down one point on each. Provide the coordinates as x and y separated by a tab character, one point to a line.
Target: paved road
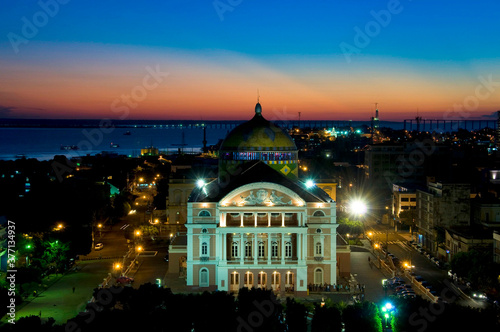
150	269
367	274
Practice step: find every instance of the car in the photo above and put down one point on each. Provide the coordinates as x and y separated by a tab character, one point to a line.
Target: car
98	246
410	296
124	280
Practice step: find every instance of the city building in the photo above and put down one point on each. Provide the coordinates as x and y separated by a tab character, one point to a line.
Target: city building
404	198
463	239
496	247
486	210
257	224
439	206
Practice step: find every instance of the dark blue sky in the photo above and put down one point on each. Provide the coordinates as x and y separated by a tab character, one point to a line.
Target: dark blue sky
295	38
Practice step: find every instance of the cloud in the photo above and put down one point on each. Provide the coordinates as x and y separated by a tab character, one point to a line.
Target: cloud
490	116
14	112
5	110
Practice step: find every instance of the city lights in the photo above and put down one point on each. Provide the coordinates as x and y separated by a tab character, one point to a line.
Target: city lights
309	184
200	183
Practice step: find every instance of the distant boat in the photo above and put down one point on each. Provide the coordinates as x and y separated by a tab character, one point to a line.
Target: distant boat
114	145
127	133
69	147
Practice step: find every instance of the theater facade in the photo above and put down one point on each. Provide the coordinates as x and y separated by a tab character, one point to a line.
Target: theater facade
257	224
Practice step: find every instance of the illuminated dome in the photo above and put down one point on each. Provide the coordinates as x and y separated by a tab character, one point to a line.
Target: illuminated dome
258	134
259	139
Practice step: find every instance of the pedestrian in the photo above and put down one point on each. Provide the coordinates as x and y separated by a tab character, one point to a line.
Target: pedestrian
73	289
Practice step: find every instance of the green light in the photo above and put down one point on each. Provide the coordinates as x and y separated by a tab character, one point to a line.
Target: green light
384	309
386	315
28	246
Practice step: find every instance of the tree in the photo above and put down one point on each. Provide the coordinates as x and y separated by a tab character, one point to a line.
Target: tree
55	254
149	231
326	318
296	316
363	316
352	227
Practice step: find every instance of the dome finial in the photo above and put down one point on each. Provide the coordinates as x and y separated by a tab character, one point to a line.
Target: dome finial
258	108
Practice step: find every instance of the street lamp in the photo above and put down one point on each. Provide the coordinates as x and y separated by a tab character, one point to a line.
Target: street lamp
100	227
387	311
357	207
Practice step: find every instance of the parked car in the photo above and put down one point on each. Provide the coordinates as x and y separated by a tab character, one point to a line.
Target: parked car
125	280
98	246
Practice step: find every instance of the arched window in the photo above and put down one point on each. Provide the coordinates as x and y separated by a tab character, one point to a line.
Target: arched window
288	249
204	277
318	276
234	249
204	249
319	213
204	213
319	250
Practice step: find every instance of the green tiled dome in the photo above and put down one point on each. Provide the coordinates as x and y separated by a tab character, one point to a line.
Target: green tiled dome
258	134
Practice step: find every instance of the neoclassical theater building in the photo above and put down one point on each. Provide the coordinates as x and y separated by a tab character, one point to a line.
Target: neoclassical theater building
257	224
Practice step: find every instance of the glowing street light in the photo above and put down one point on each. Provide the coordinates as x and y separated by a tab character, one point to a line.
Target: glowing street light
137	233
358	207
309	184
141	179
200	183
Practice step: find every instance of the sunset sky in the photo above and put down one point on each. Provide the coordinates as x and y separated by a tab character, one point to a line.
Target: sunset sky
94	59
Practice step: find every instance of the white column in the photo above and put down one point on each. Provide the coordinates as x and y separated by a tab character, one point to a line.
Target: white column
299	247
255	218
241	214
224	249
269	219
304	245
254	248
242	249
282	248
282	219
269	245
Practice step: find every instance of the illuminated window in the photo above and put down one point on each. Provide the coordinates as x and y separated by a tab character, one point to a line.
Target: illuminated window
204	213
235	278
261	249
274	249
204	249
288	249
318	248
319	213
248	249
234	249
